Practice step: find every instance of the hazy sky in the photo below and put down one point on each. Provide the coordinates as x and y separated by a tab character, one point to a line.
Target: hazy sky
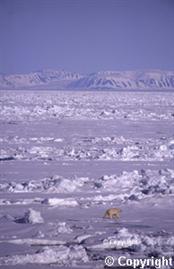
86	35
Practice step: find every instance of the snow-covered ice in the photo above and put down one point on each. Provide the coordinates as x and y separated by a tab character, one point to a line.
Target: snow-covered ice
32	217
66	157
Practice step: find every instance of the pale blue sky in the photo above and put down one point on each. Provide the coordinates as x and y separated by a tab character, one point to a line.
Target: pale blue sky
86	35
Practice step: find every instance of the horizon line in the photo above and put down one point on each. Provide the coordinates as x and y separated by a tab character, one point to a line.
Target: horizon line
88	73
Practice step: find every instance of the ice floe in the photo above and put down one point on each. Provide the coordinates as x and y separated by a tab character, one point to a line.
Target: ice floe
31	216
60	255
88	148
154	244
20	106
60	202
129	185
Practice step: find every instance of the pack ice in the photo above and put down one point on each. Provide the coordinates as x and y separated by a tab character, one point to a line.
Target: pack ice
66	157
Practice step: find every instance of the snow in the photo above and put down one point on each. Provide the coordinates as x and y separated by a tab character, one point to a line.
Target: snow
64	228
60	79
82	105
61	202
105	148
31	216
59	255
129	185
41	78
35	242
67	157
52	185
154	79
161	244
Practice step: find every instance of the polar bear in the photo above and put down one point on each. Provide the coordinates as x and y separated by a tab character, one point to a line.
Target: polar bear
112	213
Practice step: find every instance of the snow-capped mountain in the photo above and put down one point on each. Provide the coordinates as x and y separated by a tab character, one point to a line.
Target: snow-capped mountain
56	79
48	77
127	80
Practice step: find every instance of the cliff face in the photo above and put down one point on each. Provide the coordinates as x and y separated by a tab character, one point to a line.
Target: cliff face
59	79
127	80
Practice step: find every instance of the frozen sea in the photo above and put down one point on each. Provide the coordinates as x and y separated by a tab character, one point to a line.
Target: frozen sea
66	157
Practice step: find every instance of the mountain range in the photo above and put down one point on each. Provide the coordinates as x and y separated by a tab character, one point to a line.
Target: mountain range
60	79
